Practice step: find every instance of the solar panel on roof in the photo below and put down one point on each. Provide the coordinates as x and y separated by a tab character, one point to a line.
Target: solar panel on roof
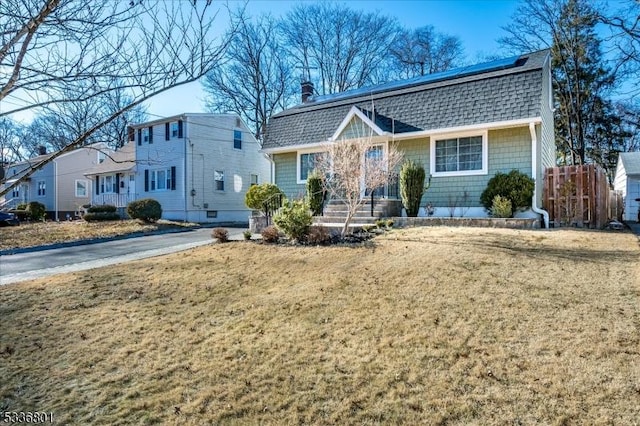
430	78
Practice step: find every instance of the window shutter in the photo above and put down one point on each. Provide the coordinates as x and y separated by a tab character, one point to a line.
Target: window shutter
146	180
150	134
117	183
131	133
166	131
173	178
180	129
139	136
97	185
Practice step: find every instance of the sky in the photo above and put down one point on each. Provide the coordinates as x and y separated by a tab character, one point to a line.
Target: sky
477	23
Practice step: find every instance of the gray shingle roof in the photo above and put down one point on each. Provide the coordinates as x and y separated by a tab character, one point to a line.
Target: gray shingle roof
490	96
631	161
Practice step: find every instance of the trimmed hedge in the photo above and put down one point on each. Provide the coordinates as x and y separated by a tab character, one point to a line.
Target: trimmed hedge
147	209
100	216
515	186
105	208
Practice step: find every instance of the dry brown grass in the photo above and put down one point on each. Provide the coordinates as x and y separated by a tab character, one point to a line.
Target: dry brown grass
41	233
423	326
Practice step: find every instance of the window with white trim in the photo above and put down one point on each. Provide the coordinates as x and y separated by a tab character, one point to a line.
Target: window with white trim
160	180
218	177
459	155
15	193
253	180
108	184
42	187
306	164
145	134
174	129
82	188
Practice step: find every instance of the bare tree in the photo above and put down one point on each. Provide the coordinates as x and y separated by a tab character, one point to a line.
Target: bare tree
342	46
424	51
10	141
355	167
624	24
53	48
255	81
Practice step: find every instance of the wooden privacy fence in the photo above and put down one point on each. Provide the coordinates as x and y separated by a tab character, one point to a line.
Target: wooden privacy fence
579	196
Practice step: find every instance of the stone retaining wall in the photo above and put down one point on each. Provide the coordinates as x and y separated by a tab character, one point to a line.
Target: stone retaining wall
512	223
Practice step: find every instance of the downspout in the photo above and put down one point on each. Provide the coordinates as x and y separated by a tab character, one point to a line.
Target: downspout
272	168
534	170
184	181
55	189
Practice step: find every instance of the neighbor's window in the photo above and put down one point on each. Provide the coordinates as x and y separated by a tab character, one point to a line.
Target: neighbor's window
15	193
42	186
254	180
174	129
160	180
145	135
460	155
108	184
218	176
237	139
81	188
306	164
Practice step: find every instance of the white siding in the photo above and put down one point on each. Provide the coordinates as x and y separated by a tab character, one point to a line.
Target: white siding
207	146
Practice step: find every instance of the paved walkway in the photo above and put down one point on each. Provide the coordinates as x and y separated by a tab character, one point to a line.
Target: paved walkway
79	257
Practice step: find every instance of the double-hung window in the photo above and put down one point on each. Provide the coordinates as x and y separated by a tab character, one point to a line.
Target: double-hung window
174	129
160	180
237	139
218	177
108	184
459	155
81	188
306	164
42	187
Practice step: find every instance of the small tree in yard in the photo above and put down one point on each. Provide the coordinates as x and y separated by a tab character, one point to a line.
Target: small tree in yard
412	177
257	195
351	171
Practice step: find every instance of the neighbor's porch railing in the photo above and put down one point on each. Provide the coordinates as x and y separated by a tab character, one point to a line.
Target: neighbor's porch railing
118	200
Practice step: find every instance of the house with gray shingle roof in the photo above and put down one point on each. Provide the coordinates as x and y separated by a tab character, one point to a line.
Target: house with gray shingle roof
463	125
627	181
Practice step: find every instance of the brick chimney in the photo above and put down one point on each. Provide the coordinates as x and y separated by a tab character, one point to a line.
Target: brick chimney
307	91
42	150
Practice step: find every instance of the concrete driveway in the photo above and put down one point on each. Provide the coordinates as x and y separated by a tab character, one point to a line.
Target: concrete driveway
26	266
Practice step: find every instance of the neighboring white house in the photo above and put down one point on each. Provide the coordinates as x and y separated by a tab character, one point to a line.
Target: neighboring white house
60	184
627	180
113	177
198	166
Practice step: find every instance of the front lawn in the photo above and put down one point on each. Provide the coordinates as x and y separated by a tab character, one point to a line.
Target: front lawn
41	233
419	326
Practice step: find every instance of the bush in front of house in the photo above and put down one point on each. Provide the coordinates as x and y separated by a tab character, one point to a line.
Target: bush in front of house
412	176
36	210
515	186
257	195
21	212
319	235
105	208
501	207
294	219
315	193
100	216
270	234
220	234
147	209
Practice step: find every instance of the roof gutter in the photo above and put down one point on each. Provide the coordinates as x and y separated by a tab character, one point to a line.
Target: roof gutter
534	170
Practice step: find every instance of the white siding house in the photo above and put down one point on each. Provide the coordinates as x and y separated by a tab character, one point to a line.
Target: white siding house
198	166
627	181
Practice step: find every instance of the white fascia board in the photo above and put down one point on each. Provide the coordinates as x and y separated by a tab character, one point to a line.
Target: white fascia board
293	148
355	112
472	127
